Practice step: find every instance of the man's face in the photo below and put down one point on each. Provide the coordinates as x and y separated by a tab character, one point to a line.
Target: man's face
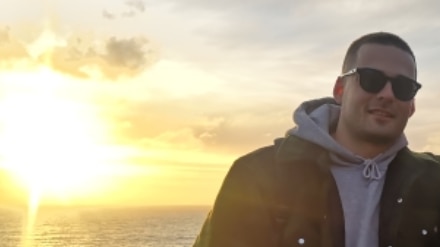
376	118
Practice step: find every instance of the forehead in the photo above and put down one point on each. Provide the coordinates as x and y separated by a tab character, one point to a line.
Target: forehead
390	59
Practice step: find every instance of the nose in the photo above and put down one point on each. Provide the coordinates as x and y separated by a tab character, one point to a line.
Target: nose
386	92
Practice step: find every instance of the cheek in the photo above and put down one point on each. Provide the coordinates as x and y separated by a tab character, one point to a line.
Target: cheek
355	100
354	94
409	110
405	111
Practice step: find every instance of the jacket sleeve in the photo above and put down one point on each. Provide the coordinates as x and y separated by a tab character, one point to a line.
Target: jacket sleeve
241	216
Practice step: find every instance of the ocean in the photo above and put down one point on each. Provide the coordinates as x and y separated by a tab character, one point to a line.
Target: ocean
109	227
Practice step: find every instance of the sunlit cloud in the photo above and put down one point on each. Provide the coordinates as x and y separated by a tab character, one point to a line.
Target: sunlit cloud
11	49
112	59
82	56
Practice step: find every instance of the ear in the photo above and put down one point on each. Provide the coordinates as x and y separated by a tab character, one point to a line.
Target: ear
338	90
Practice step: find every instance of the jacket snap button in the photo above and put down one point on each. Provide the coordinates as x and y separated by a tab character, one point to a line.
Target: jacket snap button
400	200
435	229
301	241
424	232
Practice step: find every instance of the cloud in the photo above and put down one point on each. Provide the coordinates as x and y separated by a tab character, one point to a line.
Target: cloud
128	14
4	35
299	31
126	52
11	49
82	56
134	7
113	59
187	124
107	15
138	5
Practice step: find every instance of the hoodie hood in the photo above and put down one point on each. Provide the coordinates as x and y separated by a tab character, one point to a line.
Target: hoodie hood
315	121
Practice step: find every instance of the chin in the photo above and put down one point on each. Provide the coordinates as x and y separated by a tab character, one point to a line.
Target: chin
380	137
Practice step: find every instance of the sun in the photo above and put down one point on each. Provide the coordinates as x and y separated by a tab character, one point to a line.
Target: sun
51	141
56	137
52	144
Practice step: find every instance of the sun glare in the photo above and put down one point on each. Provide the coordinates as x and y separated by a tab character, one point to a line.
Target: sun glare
50	143
54	142
55	146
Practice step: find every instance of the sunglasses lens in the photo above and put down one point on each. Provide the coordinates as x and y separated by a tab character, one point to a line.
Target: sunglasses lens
404	89
372	81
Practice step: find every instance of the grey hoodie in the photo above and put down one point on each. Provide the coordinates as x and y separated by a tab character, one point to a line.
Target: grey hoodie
360	181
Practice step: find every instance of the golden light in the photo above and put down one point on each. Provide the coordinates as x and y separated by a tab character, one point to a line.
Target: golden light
52	139
55	145
52	144
48	141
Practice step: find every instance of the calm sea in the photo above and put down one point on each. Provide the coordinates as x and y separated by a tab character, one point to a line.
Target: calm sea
129	227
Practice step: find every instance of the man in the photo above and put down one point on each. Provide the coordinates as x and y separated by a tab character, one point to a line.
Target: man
344	175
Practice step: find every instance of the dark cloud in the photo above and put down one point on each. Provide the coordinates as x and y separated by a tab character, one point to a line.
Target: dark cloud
127	53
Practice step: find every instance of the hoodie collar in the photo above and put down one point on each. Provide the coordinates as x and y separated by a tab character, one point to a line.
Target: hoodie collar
316	119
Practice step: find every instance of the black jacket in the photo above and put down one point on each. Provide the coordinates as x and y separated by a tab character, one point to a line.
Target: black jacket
285	195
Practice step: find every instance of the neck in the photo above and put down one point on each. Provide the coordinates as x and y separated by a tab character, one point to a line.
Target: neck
362	148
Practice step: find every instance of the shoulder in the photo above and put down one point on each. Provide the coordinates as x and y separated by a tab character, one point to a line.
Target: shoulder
261	154
427	159
430	156
426	164
432	164
259	162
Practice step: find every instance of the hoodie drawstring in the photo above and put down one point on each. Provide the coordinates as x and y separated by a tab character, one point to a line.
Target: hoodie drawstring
371	170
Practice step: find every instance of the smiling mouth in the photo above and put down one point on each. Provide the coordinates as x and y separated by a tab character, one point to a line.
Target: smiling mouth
381	113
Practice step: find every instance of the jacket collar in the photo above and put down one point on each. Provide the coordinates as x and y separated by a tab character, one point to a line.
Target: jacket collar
292	149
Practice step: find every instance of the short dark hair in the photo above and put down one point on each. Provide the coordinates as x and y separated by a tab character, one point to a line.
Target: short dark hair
382	38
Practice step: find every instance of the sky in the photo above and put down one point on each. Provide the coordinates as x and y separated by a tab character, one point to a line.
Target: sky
149	102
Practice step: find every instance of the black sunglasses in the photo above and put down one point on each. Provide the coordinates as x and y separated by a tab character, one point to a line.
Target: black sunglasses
373	80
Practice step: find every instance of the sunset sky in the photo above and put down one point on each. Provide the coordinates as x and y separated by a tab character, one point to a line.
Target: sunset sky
135	102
